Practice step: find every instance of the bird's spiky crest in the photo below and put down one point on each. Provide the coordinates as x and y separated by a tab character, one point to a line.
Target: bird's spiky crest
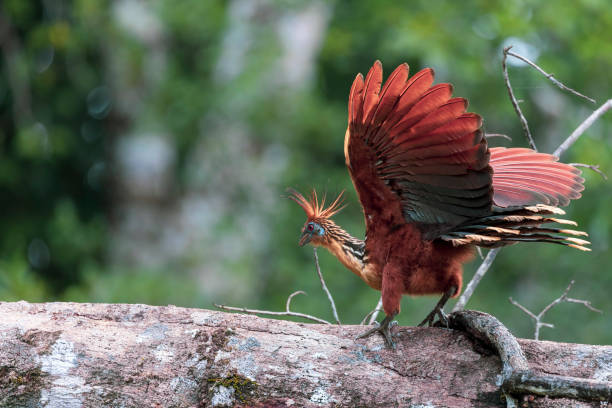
313	208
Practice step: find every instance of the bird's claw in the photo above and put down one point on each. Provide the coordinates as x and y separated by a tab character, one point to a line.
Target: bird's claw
383	328
432	316
443	318
428	319
439	310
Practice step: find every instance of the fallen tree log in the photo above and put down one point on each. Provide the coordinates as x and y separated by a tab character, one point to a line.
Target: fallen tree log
117	355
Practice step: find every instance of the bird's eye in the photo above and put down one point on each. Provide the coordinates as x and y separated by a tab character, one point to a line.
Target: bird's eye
310	227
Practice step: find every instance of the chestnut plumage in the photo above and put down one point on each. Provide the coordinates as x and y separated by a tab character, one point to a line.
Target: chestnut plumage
430	189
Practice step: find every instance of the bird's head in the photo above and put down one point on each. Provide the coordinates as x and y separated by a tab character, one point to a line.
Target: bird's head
318	228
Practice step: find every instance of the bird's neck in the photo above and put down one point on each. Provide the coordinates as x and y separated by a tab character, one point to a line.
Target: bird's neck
348	249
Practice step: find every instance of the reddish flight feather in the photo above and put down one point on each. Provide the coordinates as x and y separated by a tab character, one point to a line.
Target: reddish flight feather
524	177
428	151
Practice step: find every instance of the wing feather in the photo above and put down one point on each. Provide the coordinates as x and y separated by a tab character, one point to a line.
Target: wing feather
415	155
391	93
524	177
371	91
432	99
412	150
356	100
411	93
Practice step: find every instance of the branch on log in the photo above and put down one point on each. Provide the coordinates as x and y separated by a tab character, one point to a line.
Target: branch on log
98	355
517	378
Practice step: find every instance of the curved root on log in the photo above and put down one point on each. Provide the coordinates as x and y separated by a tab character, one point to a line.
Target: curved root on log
517	377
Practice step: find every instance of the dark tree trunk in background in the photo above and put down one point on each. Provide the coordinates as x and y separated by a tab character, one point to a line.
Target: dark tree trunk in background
105	355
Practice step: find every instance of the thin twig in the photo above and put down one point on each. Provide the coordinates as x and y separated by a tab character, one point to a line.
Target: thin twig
563	298
378	308
582	128
586	304
373	314
490	135
527	311
479	250
324	286
287	311
594	167
515	103
290	298
550	76
482	270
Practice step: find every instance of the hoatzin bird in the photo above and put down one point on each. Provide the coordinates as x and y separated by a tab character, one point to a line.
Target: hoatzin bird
431	189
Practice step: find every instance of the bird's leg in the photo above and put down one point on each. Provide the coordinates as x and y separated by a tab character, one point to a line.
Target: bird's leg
439	309
391	293
384	328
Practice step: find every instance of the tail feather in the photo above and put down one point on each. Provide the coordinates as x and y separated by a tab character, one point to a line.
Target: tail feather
508	226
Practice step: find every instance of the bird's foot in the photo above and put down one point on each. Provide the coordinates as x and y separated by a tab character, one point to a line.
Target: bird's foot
429	320
383	328
439	309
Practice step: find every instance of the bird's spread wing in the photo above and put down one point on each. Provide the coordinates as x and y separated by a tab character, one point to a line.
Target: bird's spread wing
412	148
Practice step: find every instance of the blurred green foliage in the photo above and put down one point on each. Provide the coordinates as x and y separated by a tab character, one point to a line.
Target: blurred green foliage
78	77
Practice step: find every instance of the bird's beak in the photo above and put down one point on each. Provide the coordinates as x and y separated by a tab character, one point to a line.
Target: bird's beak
305	238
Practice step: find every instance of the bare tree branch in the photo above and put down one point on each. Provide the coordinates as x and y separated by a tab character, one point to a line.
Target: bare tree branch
582	128
324	286
515	103
594	167
480	273
377	309
491	135
549	76
373	314
538	318
287	311
480	254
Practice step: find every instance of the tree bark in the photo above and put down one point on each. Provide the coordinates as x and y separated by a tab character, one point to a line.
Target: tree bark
115	355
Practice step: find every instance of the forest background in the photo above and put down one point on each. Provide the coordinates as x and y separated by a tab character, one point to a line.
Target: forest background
145	146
